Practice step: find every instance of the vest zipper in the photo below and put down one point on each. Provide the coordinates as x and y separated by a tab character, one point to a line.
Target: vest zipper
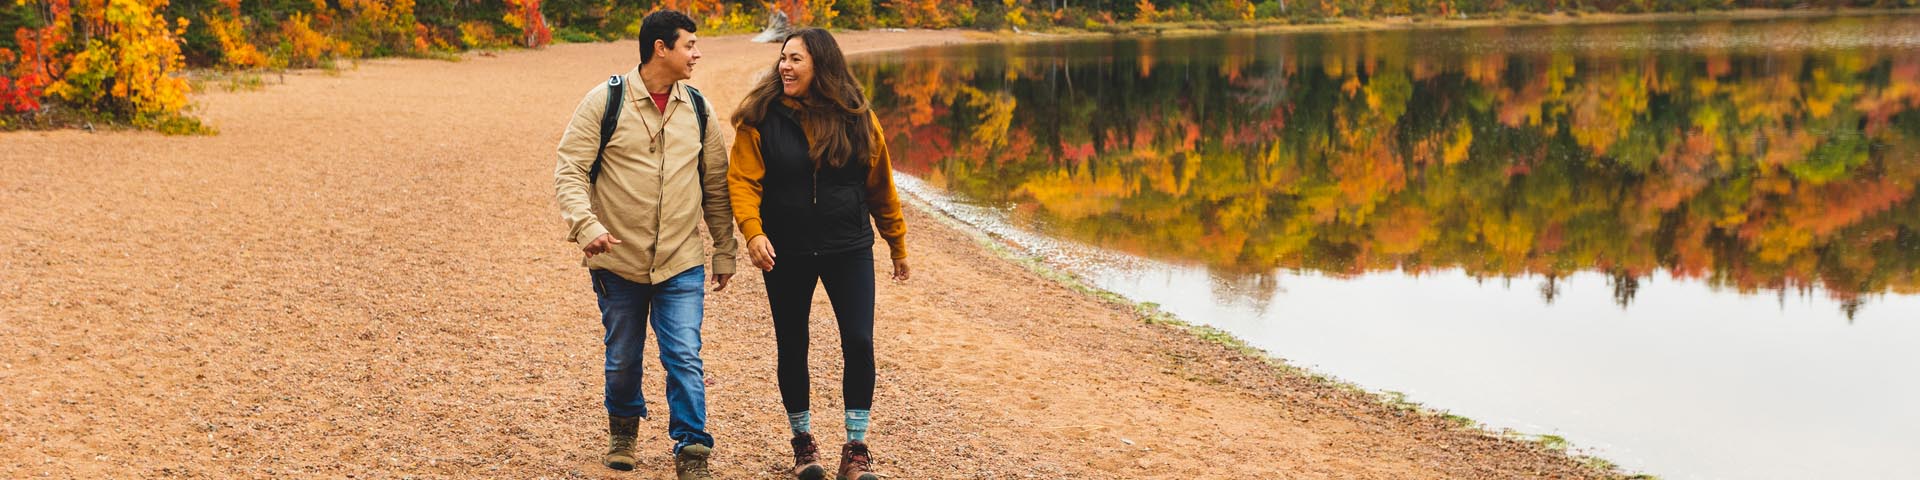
815	186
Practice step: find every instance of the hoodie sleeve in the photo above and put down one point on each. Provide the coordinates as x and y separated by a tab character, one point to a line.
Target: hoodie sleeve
745	168
882	200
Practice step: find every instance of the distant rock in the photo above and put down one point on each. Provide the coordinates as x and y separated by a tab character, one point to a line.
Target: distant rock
777	28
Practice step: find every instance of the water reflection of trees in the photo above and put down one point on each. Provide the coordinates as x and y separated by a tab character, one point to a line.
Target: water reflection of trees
1769	170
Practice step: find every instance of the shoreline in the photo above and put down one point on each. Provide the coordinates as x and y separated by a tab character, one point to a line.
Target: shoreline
1011	251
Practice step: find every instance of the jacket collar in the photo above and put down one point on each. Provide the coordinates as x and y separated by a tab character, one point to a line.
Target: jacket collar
637	89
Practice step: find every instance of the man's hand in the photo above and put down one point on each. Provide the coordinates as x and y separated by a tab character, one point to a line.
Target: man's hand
720	281
760	251
900	271
600	245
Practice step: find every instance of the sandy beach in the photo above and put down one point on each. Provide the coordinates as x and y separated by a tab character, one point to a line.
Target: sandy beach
364	275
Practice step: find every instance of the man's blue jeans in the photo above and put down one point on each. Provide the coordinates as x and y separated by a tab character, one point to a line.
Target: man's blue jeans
676	307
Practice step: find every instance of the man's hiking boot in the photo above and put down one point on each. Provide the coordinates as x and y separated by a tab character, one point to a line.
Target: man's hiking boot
691	462
855	462
622	431
806	458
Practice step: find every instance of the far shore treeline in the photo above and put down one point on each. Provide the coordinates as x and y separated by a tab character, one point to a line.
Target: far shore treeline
121	61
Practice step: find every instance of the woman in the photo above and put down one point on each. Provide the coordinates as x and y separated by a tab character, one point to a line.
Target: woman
809	167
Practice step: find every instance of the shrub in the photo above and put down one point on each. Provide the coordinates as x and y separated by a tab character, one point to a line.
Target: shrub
25	74
303	47
235	50
131	68
524	16
1269	9
573	35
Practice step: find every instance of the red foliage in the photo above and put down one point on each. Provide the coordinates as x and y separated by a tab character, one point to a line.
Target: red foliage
533	24
24	75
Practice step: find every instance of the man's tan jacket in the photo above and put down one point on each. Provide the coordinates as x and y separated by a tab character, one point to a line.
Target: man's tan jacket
650	194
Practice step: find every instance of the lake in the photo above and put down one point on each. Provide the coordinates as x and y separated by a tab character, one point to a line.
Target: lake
1691	248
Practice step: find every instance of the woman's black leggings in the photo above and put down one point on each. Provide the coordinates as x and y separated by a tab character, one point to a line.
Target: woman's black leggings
849	280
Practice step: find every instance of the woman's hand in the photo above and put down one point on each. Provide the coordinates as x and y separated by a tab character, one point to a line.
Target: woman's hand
760	252
900	270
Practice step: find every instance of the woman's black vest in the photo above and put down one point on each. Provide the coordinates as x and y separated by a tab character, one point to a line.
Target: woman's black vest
807	210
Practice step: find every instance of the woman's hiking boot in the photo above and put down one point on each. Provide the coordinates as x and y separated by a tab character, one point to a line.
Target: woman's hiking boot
622	431
691	462
806	458
855	462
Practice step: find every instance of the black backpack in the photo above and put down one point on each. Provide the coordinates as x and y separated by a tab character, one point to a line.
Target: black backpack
611	120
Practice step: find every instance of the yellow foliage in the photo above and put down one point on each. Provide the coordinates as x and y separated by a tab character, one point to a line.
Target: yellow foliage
1077	195
235	50
1777	243
1607	109
132	65
391	24
996	116
307	47
476	34
1511	237
1459	145
513	18
1016	13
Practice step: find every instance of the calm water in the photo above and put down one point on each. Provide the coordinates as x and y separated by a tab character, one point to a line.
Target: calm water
1692	248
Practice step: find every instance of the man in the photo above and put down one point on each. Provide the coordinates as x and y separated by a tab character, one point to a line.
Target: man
635	216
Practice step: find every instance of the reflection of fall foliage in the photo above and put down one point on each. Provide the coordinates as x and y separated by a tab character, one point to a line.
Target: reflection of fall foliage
1770	170
280	34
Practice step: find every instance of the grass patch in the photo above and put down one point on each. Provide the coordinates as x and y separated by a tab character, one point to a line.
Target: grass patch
177	124
574	35
59	117
1459	421
1553	442
442	55
234	80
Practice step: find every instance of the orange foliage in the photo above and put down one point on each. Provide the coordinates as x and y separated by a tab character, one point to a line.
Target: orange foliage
525	16
694	8
25	75
1148	12
928	13
236	51
812	13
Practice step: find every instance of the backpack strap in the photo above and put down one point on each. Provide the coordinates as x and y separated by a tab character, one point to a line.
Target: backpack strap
700	113
609	120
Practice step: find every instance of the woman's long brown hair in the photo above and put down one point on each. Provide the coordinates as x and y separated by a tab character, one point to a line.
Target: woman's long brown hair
835	107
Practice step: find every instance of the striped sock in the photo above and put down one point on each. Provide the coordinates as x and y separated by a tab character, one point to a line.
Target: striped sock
801	422
857	424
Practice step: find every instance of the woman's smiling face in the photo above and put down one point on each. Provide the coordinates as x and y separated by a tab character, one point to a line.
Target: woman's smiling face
796	68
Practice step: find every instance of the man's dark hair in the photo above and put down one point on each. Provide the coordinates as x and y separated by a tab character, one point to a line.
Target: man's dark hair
664	25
